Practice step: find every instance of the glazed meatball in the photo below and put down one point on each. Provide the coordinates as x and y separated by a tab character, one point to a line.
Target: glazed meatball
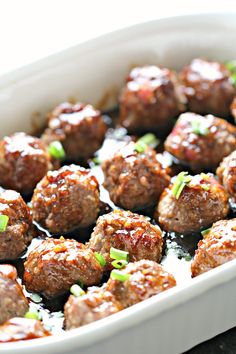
202	201
22	329
217	247
96	304
24	160
18	231
66	199
150	100
227	175
12	300
56	264
134	179
233	109
147	278
128	232
79	127
201	142
208	87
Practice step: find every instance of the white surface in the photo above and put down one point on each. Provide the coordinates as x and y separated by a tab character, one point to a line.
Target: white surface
32	29
179	318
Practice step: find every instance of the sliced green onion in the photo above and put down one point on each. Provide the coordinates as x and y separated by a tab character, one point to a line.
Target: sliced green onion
3	222
33	314
231	66
35	298
119	254
76	290
146	140
119	263
188	258
56	150
119	275
204	186
205	232
198	127
96	161
140	147
100	259
180	182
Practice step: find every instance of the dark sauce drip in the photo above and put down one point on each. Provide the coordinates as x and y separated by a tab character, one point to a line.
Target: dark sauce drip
178	250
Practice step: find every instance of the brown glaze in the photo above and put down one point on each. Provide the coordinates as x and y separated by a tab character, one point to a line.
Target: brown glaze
56	264
227	174
128	232
66	199
134	180
208	87
201	152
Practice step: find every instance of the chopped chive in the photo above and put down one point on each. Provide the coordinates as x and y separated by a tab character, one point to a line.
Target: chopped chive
33	314
119	254
148	139
205	232
100	259
56	150
119	275
198	127
35	298
3	222
76	290
119	263
180	182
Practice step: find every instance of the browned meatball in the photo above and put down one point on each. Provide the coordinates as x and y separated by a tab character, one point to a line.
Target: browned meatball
147	278
96	304
208	87
233	108
202	201
79	127
24	160
201	142
66	199
227	175
134	179
128	232
22	329
12	300
18	232
55	265
217	247
150	100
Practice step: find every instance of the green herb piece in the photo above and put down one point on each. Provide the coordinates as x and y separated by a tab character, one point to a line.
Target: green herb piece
76	290
205	232
119	254
3	222
100	259
188	258
33	314
146	140
35	298
180	182
119	275
198	127
140	147
231	66
119	264
204	186
56	150
96	161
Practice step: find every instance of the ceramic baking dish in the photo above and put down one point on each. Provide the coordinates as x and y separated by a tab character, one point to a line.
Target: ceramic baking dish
182	317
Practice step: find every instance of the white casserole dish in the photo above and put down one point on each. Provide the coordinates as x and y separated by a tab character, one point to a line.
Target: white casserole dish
182	317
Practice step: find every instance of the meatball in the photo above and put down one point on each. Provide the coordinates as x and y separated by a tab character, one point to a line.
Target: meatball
79	127
227	175
22	329
24	160
150	100
202	201
233	108
217	247
201	142
18	231
147	278
134	179
208	87
55	265
13	302
96	304
128	232
66	199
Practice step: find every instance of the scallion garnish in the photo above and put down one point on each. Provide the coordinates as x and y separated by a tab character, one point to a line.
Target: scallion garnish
33	314
3	222
56	150
180	182
231	66
146	140
205	232
205	187
76	290
35	298
119	254
119	263
96	161
188	257
100	258
119	275
198	127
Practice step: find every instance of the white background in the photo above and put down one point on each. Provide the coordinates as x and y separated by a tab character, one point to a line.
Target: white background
32	29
